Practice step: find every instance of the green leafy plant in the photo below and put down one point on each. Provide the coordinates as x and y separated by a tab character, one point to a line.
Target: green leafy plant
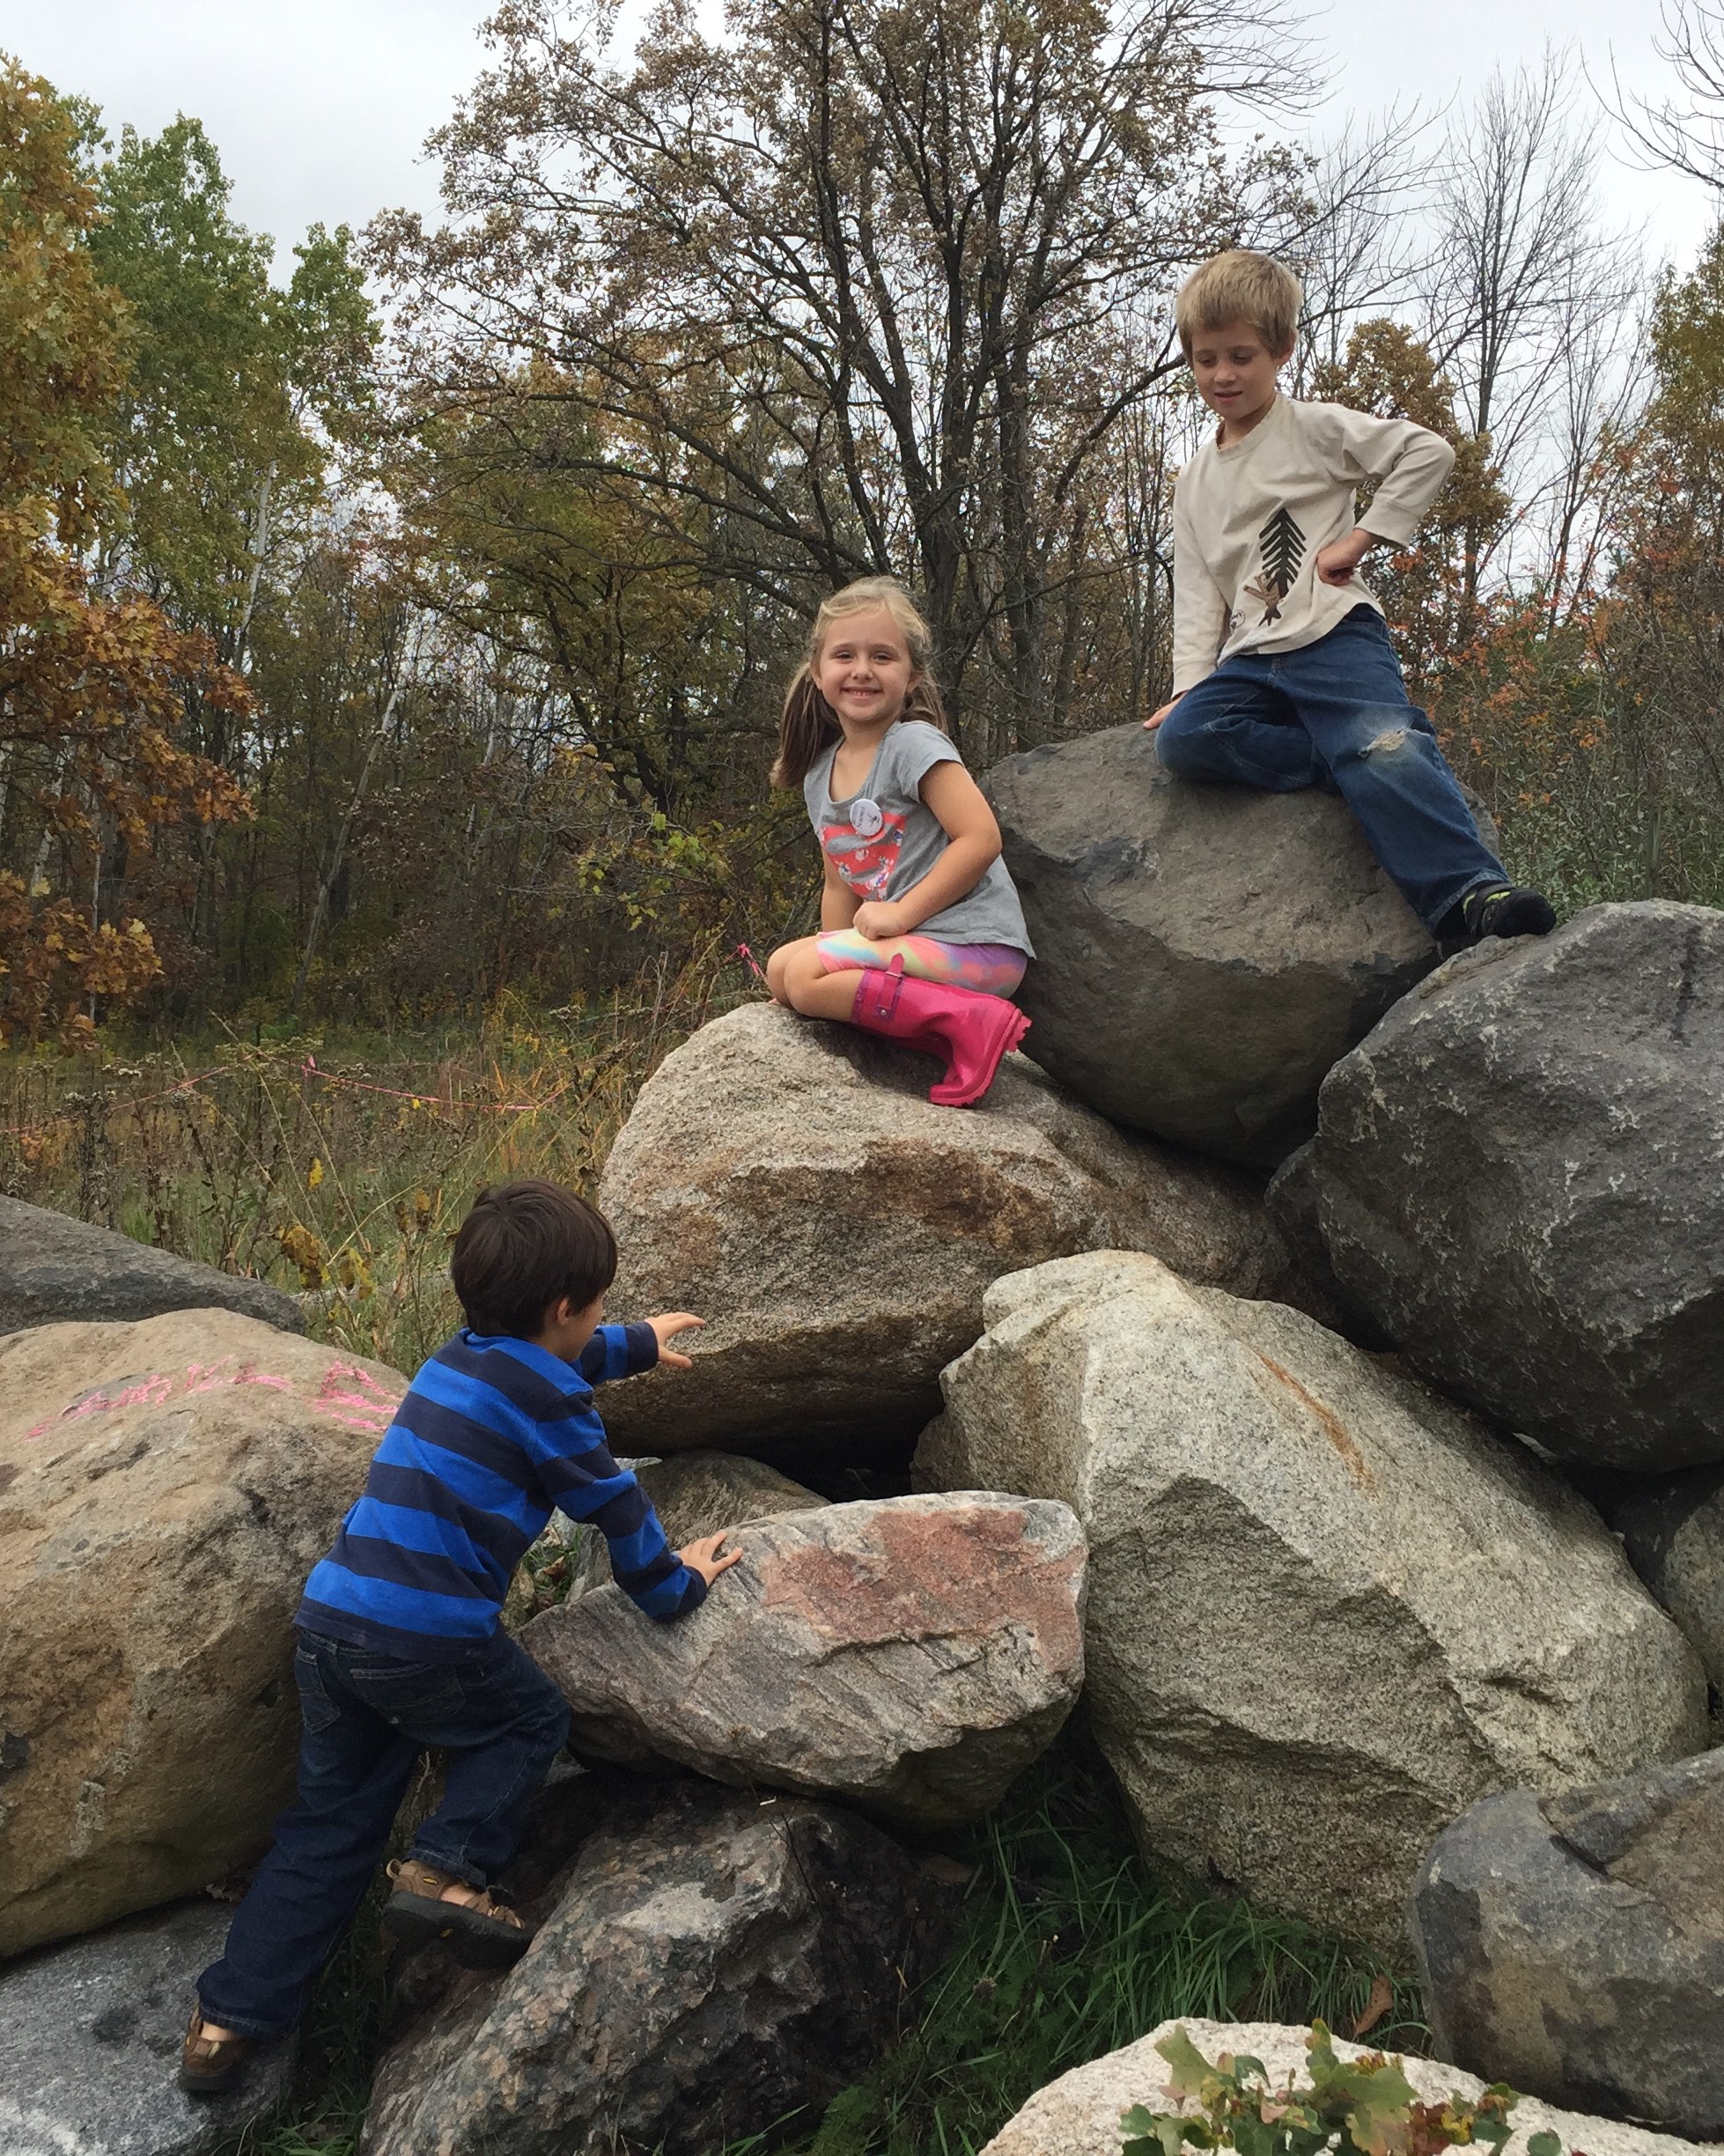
1362	2106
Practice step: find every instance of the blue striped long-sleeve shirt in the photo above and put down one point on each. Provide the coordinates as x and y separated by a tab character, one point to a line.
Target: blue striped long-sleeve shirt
492	1434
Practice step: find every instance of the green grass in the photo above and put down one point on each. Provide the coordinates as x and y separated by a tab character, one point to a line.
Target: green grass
1071	1946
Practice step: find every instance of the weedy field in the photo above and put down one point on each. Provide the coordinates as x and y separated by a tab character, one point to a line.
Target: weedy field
340	1168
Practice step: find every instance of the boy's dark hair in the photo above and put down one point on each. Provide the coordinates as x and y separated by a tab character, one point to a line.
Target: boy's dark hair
524	1246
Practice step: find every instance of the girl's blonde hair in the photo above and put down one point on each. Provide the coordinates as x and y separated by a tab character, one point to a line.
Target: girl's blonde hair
809	725
1241	285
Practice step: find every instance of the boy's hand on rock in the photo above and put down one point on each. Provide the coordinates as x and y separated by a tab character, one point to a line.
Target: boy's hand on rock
1155	718
665	1327
703	1557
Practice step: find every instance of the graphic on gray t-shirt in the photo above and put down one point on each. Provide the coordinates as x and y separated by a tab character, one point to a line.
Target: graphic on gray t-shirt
884	839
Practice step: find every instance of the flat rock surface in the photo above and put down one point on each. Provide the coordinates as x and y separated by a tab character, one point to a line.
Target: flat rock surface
790	1181
165	1488
910	1654
1327	1610
1078	2114
54	1269
90	2036
1520	1176
1204	954
705	1966
695	1494
1574	1945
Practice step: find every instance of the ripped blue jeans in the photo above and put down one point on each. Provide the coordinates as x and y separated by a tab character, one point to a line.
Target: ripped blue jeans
1336	714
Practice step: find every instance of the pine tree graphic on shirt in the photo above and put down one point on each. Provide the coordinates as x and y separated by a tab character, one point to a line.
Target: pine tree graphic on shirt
1283	547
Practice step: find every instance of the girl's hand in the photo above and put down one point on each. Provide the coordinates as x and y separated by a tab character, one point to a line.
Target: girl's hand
703	1557
665	1327
880	920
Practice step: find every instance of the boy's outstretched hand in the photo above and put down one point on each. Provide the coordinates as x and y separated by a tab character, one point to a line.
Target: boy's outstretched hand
666	1327
703	1557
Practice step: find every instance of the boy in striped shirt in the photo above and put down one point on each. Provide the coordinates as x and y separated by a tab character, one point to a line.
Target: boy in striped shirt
399	1643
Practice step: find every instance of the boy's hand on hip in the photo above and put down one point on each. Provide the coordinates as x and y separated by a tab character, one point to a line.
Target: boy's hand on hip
665	1327
1337	562
1155	718
880	920
704	1557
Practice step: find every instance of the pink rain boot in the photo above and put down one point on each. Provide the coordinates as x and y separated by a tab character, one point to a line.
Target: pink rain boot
968	1033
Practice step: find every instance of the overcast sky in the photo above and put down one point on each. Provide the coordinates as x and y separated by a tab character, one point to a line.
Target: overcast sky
320	108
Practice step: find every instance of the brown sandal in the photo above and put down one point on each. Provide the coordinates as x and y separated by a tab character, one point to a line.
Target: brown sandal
211	2065
481	1934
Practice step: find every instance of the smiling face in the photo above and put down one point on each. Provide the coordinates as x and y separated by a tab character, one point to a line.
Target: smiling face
865	670
1235	371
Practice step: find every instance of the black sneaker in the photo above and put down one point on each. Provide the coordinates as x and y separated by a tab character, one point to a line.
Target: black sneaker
1498	909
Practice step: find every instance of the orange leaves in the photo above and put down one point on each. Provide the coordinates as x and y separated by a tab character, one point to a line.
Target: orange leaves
54	962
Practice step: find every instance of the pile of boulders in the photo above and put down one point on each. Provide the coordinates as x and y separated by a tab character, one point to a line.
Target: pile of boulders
1376	1514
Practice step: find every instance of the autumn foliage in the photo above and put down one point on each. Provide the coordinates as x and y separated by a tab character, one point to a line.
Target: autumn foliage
93	690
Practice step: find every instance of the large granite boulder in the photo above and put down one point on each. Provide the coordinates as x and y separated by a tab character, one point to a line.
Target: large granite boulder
911	1654
1327	1610
89	2037
704	1966
1521	1177
1078	2114
165	1488
54	1269
1672	1529
1204	954
792	1183
1574	1945
694	1494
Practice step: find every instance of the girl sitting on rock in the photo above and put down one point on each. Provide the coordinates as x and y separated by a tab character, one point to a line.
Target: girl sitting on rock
922	937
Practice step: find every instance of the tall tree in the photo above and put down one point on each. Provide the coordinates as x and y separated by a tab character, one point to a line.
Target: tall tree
222	429
1529	287
233	381
91	694
858	280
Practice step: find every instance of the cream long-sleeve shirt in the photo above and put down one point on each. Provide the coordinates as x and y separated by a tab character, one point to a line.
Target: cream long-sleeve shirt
1250	518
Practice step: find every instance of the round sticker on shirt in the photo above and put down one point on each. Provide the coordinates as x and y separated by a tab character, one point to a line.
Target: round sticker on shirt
865	819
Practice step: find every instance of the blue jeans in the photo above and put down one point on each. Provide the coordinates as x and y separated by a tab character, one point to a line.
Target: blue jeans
1335	713
366	1718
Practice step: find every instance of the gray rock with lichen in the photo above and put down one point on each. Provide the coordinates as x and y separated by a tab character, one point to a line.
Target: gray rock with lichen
1327	1610
910	1654
90	2036
708	1962
1519	1177
1204	954
1573	1945
54	1269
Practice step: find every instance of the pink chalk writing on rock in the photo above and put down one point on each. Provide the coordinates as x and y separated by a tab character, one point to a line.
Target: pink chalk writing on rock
346	1395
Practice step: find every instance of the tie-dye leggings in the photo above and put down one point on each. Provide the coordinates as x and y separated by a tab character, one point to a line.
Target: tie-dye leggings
990	969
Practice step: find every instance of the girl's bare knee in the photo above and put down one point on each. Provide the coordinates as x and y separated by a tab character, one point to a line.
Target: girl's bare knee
789	965
801	985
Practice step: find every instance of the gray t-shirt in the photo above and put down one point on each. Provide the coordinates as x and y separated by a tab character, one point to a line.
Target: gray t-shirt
884	839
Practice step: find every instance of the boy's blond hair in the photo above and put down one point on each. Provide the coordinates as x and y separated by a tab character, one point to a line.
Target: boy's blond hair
1241	285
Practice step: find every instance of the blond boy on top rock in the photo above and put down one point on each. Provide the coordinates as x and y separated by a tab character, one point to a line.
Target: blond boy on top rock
1284	674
